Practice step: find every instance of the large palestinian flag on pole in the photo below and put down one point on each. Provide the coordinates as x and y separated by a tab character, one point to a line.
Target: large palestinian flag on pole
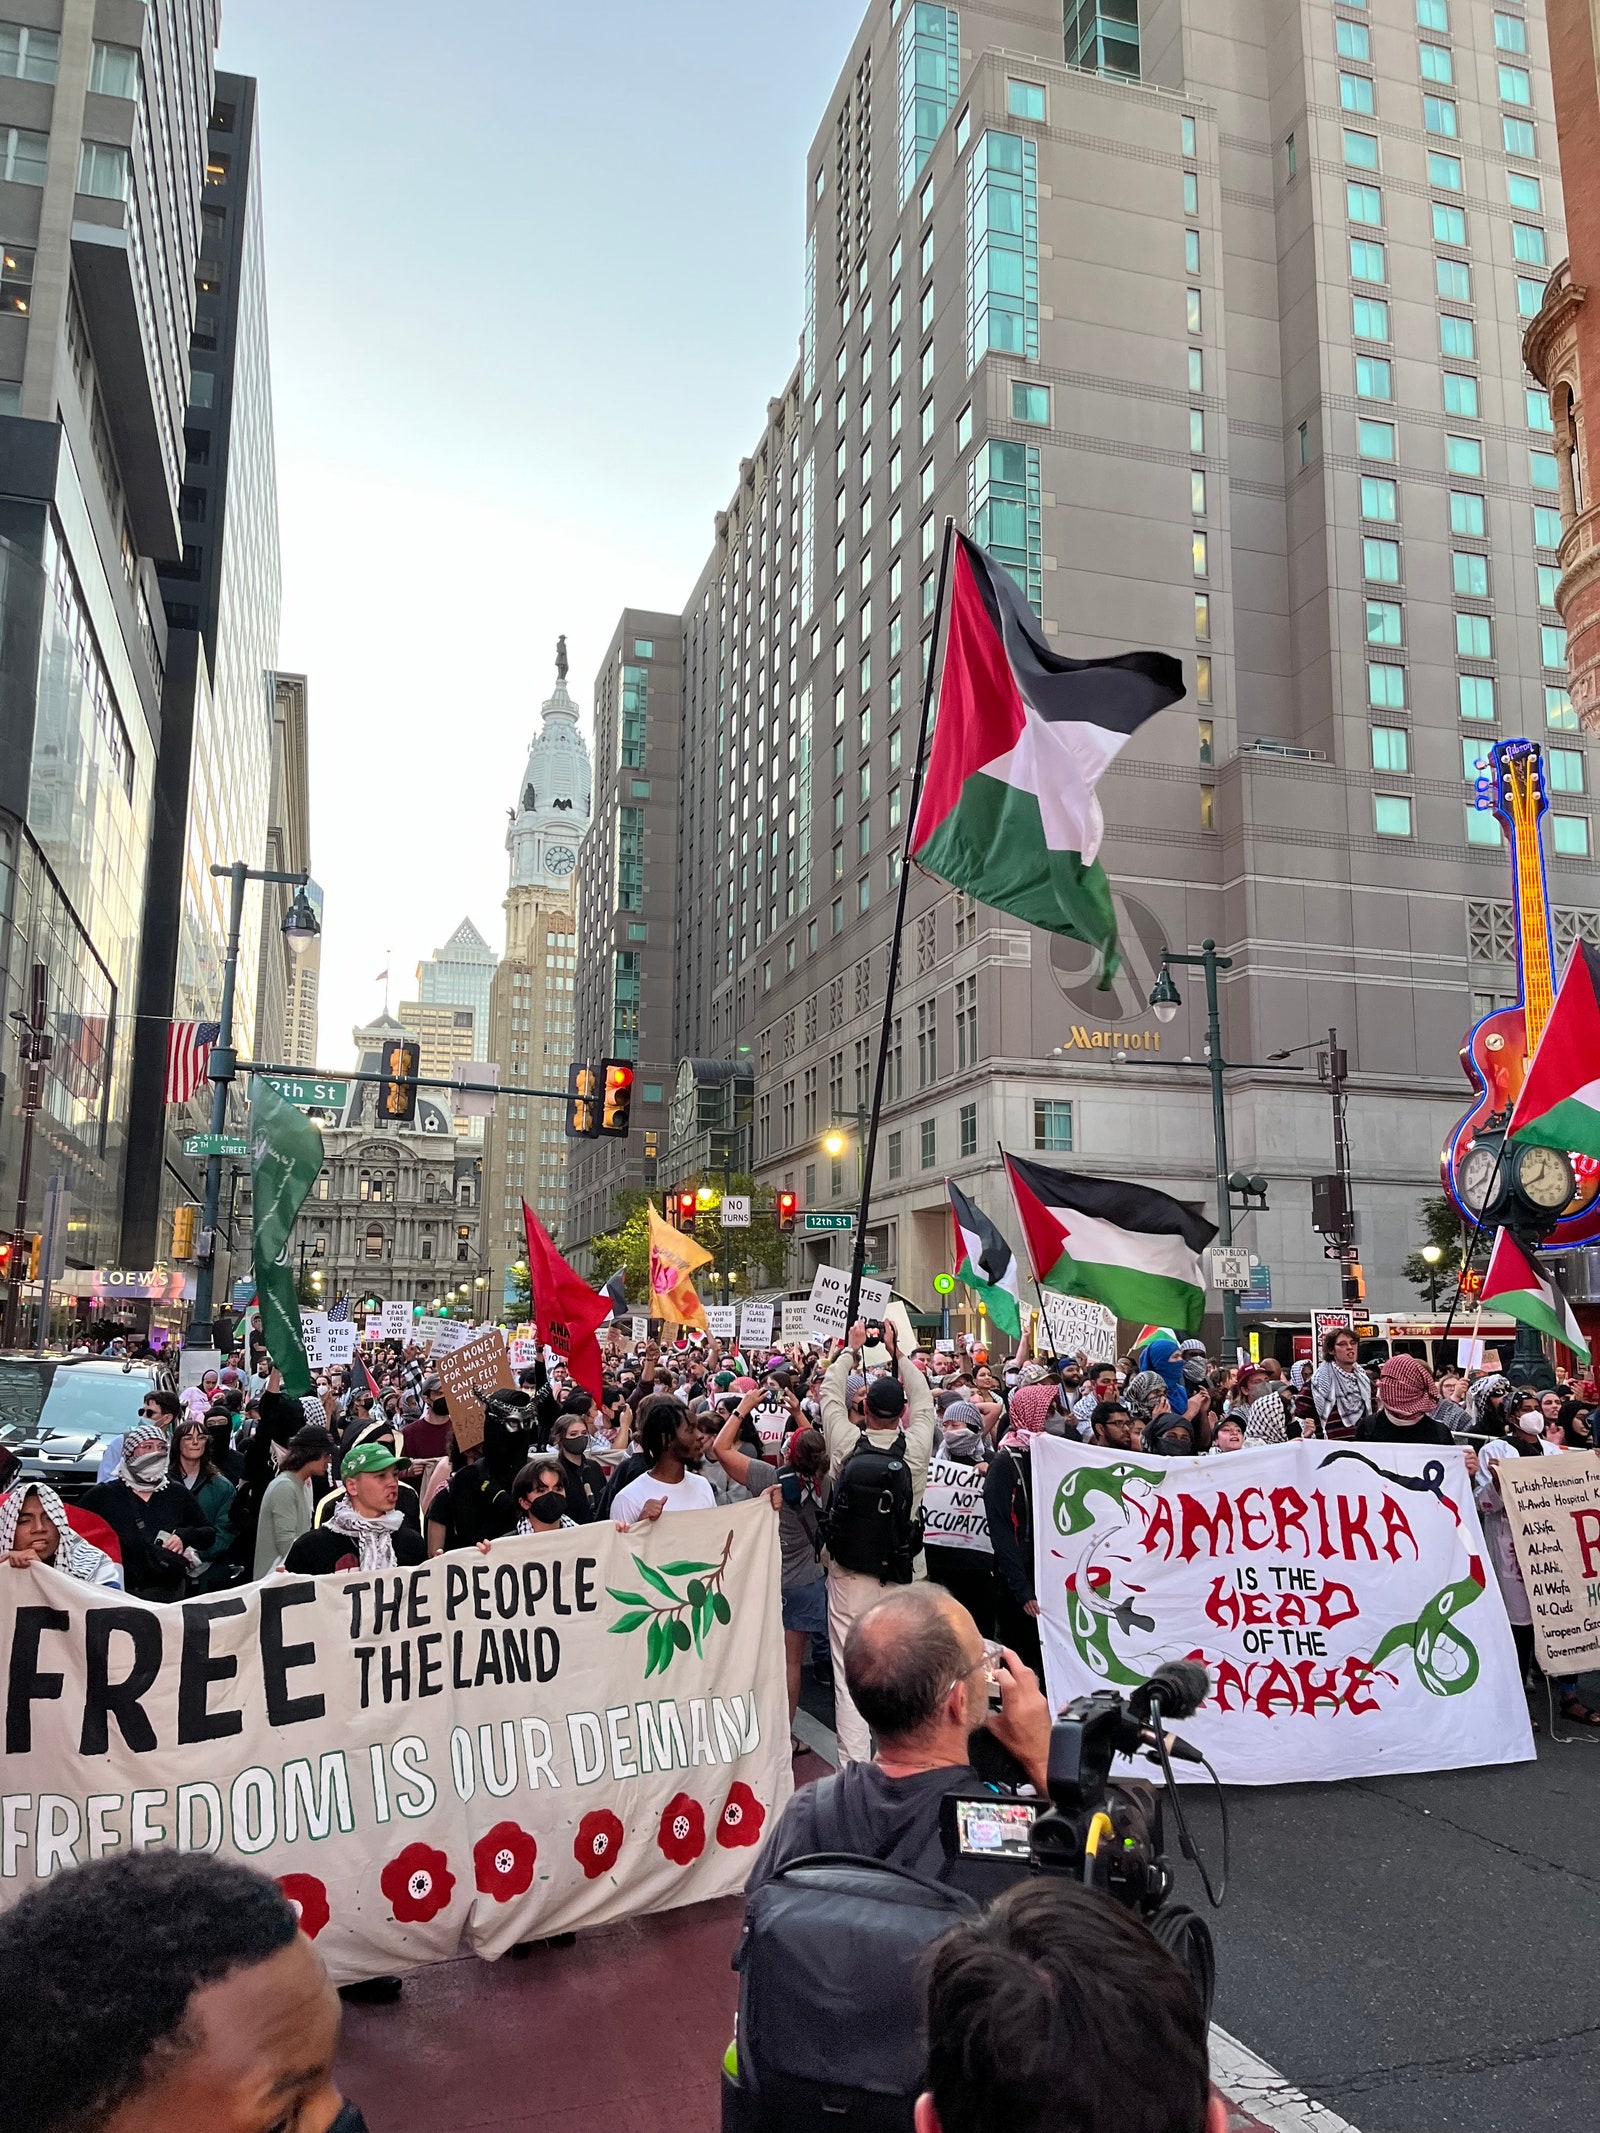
1515	1285
1009	811
1559	1106
986	1263
1132	1249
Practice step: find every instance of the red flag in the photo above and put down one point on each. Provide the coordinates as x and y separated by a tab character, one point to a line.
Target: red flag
566	1311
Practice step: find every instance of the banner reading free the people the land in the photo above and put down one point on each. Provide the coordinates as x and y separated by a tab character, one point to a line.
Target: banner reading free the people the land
1338	1594
467	1754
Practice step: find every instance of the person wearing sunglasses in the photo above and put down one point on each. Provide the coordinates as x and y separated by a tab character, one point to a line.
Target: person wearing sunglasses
157	1406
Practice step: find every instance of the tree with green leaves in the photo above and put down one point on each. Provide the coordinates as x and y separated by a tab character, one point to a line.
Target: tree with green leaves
757	1255
1444	1231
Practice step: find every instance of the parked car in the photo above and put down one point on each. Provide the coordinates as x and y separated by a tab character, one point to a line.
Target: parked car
57	1411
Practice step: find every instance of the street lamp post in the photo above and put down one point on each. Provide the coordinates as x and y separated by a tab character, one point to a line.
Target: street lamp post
1166	999
1432	1255
834	1141
299	928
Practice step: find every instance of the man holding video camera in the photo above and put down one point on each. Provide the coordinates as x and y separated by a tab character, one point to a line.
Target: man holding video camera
921	1676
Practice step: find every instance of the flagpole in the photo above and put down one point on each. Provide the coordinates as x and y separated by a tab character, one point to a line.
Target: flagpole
892	973
1044	1316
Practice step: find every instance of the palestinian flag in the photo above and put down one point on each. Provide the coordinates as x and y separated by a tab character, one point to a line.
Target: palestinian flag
1134	1250
1009	812
1515	1285
1559	1106
986	1263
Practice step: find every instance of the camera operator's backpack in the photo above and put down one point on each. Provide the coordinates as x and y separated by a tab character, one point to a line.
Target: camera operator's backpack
870	1528
831	2010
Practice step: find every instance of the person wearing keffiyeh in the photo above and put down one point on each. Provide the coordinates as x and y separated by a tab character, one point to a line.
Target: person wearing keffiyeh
366	1532
34	1529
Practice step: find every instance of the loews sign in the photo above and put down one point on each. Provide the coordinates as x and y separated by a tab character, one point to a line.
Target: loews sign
1080	1039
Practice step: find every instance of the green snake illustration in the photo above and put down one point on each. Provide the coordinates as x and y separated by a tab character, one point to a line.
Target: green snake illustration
1447	1662
1088	1619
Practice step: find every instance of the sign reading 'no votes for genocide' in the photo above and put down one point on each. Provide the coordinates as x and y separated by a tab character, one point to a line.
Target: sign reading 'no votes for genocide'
463	1755
1338	1595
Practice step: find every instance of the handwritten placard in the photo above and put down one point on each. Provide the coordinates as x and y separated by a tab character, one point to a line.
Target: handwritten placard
1554	1508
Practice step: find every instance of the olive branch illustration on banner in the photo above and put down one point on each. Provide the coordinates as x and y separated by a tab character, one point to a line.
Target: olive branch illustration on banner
676	1618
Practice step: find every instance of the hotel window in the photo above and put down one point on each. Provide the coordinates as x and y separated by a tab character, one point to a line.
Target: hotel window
1386	686
1374	378
1439	116
1474	758
1187	135
1546	527
1527	244
1207	733
1383	622
1191	193
1510	33
1542	470
1470	574
1368	261
1449	224
1436	64
1524	192
16	279
1208	807
1475	695
1200	557
1482	827
1197	493
1452	279
1460	394
1003	247
1464	455
1466	515
1361	150
928	1143
1565	769
27	54
1474	638
1376	440
1517	136
1569	836
1391	749
102	170
1052	1126
1391	814
1202	618
1369	318
1381	561
1353	40
1444	171
1191	251
1191	313
1291	156
1380	499
1355	94
1530	295
1434	15
1025	99
1364	203
1552	644
1515	87
1549	577
1559	715
1030	403
1457	338
114	70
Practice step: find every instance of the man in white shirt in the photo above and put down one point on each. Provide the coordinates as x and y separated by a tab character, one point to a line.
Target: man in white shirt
672	1440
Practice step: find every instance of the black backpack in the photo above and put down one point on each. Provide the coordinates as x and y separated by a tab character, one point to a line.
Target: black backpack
831	2012
869	1525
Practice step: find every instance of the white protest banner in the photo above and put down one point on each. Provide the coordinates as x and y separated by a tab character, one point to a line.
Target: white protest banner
1554	1509
1338	1595
314	1333
638	1327
755	1325
341	1339
372	1329
454	1757
397	1319
1077	1326
794	1319
827	1310
952	1508
722	1321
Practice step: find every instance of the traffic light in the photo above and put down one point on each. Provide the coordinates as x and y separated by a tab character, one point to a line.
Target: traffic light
583	1113
684	1206
183	1221
1355	1283
5	1258
787	1208
35	1240
616	1098
397	1100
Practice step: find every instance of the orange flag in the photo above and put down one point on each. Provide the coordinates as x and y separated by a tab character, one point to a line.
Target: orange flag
673	1258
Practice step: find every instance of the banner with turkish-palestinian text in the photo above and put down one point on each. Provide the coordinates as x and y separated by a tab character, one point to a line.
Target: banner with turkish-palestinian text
1554	1509
481	1750
1338	1594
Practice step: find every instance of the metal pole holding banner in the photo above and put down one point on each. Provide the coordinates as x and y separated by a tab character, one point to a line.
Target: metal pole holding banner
891	974
52	1249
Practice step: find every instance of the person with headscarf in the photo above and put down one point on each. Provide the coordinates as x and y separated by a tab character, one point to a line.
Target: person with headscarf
34	1529
1264	1422
159	1526
1008	1500
1341	1391
1486	1410
1407	1397
365	1530
1165	1358
963	1439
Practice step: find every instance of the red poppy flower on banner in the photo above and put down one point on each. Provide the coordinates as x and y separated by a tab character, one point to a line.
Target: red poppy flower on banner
418	1883
597	1843
503	1862
309	1899
741	1818
682	1835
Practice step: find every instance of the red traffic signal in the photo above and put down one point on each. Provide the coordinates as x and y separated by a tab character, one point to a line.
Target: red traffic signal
787	1208
683	1209
616	1097
5	1258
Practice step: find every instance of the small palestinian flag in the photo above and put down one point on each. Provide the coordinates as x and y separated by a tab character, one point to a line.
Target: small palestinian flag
1559	1106
1515	1285
986	1263
1009	812
1126	1246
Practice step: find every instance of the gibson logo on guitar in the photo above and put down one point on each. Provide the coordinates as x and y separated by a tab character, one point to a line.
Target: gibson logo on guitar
1496	1054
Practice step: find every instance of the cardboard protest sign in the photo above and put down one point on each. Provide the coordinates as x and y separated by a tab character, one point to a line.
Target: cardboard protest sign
1338	1595
1076	1326
1554	1509
755	1325
827	1311
467	1377
952	1508
574	1729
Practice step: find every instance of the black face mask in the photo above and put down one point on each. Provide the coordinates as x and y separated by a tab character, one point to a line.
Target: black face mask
441	1408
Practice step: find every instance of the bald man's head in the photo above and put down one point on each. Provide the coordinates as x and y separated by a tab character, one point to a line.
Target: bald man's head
904	1656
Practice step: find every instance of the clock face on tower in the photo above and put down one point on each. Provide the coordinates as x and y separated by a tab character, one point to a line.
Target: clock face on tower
559	859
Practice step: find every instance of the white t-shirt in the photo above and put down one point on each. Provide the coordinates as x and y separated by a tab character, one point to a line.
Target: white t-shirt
692	1493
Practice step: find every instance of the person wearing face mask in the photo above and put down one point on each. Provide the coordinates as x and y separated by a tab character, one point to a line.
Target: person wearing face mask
156	1520
583	1479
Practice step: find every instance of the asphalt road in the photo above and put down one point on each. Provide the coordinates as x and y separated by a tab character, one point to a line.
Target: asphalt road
1421	1953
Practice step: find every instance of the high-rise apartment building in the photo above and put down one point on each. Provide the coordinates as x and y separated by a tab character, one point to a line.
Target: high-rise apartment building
628	979
281	997
304	985
1207	324
231	773
531	1003
103	115
459	975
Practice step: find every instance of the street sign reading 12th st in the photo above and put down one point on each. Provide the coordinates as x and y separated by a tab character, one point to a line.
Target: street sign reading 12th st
215	1144
816	1222
308	1093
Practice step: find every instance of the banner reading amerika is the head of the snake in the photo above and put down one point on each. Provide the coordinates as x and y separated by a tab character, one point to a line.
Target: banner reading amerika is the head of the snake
1340	1596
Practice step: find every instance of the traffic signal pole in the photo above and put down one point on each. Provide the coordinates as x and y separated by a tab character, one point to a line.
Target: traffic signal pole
34	1049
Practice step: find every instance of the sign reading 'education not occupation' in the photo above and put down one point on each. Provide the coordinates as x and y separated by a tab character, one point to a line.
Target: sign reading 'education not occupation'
466	1754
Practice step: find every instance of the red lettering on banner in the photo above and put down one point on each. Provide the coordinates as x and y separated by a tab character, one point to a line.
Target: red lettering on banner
1318	1688
1216	1524
1588	1525
1251	1521
1226	1681
1158	1533
1395	1523
1222	1604
1327	1600
1289	1510
1280	1687
1292	1611
1357	1674
1353	1527
1257	1607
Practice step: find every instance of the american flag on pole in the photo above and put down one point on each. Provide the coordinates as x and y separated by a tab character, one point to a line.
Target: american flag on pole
188	1048
339	1310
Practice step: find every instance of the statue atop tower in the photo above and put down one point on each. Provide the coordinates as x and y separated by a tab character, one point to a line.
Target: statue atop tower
551	817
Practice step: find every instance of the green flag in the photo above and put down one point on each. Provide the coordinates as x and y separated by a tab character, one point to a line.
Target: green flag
285	1156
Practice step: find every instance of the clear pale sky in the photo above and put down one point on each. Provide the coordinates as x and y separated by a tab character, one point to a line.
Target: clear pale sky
534	271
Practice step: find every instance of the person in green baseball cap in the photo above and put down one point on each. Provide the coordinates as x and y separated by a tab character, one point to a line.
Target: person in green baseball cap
366	1532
